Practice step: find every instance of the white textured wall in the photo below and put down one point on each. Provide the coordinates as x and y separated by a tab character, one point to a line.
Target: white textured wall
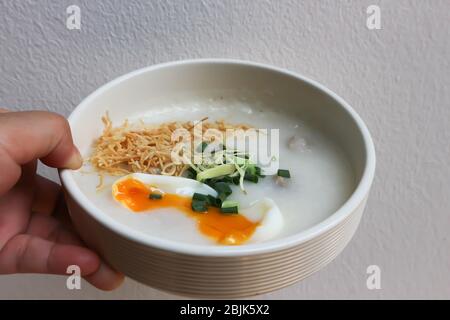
397	79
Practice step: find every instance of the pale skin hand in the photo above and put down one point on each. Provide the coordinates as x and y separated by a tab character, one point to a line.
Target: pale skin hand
32	239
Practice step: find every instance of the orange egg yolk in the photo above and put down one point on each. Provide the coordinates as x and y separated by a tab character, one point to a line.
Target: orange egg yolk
224	229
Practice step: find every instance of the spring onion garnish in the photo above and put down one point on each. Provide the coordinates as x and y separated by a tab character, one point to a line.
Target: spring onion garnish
258	172
215	202
283	173
251	177
222	170
220	163
230	204
199	197
223	190
190	173
251	170
229	210
203	201
219	168
155	196
199	205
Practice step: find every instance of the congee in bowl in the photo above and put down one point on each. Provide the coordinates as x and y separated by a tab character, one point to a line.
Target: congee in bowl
319	181
218	178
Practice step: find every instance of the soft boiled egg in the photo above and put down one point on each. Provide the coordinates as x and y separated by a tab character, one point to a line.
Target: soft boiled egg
142	193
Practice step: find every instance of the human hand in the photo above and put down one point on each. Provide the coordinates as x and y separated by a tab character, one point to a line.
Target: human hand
32	239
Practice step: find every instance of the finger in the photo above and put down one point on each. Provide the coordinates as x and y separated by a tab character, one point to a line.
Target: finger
105	278
61	213
29	135
3	110
46	196
47	137
46	227
15	205
30	254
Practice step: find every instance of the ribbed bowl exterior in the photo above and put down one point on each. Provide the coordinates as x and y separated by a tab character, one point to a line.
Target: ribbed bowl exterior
215	277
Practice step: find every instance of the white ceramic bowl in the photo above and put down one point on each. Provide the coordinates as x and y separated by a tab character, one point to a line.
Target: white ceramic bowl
219	271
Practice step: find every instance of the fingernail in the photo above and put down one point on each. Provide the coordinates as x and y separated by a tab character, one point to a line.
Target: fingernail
75	161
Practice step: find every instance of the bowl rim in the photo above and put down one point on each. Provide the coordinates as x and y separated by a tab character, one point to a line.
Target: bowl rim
356	198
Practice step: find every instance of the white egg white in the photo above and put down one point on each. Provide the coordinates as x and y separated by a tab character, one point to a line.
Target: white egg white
170	184
264	211
267	213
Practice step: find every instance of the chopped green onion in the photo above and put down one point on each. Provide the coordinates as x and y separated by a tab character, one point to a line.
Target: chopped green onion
199	196
207	198
240	161
229	204
258	172
155	196
199	206
251	169
191	173
251	177
283	173
223	190
224	166
222	196
229	210
226	179
222	187
215	202
222	170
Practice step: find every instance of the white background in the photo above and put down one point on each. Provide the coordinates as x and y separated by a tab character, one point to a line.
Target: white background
397	79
